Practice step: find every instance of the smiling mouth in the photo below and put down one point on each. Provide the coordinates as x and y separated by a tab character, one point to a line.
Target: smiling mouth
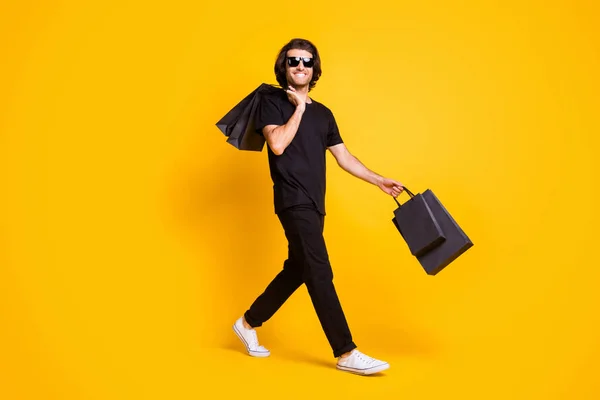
300	75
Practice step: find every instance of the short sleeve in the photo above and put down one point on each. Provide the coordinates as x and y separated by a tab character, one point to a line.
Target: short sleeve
333	133
268	113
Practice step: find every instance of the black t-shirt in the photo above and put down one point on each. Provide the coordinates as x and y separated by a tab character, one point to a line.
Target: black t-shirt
299	173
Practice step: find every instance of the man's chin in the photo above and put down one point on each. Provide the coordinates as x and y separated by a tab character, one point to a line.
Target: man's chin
300	85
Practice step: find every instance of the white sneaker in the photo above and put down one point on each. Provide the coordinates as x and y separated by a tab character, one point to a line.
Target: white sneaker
362	364
249	339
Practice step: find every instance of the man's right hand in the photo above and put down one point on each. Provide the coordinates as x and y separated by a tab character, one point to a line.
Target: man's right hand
296	99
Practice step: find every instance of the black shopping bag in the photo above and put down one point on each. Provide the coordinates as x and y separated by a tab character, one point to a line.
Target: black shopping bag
417	225
238	123
456	241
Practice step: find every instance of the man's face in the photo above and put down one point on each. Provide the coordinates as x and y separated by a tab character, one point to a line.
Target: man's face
299	75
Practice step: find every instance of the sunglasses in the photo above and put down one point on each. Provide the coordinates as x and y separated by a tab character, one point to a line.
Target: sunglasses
295	61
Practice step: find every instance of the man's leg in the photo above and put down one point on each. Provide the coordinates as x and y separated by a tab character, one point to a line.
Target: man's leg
265	305
304	228
280	289
277	292
318	277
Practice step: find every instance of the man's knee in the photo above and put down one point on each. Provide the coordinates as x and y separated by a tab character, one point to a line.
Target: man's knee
318	274
293	271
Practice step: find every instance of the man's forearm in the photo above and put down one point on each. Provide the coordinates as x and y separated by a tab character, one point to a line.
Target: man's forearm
282	136
352	165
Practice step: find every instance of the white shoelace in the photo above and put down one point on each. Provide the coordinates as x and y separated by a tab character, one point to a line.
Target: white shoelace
254	338
254	341
365	358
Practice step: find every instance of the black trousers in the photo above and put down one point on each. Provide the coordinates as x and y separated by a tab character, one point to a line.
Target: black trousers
308	263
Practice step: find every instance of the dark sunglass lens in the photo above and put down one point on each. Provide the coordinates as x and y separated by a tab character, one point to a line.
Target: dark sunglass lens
308	62
293	61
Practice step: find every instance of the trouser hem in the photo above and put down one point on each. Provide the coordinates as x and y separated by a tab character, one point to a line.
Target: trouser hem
253	323
349	347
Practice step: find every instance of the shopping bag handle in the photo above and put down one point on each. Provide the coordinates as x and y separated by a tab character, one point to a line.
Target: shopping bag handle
407	191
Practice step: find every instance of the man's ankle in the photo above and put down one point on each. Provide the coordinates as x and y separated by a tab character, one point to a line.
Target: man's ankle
346	354
246	325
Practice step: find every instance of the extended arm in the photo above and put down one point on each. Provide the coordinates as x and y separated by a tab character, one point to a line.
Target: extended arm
353	166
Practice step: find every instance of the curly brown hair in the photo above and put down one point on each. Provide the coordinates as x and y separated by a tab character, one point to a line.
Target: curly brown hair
280	63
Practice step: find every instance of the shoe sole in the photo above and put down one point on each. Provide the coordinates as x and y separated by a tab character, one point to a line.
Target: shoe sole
367	371
250	352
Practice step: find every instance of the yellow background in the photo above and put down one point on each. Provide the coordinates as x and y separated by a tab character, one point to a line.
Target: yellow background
132	235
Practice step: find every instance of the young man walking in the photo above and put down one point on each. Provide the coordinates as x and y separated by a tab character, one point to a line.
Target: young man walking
299	131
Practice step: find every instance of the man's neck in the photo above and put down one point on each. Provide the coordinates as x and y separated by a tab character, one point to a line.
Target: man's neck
303	92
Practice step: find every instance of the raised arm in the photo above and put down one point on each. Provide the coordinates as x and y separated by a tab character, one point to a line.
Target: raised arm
279	137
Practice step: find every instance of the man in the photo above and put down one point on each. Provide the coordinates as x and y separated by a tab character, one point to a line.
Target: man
298	131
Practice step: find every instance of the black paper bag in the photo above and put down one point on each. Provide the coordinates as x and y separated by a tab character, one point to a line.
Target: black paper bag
238	123
455	244
417	224
243	135
229	120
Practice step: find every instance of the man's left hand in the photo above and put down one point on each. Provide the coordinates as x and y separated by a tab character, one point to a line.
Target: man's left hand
391	187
